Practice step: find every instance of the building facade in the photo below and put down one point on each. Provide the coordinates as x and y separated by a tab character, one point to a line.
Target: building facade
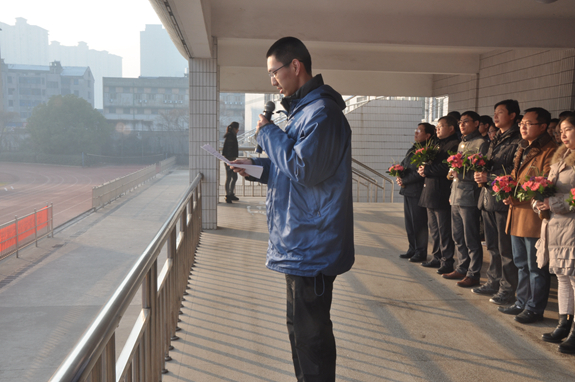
26	86
101	63
23	43
158	54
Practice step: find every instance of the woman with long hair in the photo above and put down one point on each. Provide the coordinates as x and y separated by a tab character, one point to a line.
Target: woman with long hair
230	151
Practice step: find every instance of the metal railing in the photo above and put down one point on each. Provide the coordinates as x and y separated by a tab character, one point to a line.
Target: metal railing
26	230
371	180
109	191
146	350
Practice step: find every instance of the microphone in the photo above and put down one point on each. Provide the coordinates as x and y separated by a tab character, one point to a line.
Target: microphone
268	111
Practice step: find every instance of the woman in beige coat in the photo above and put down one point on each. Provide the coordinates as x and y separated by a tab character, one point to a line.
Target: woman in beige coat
557	243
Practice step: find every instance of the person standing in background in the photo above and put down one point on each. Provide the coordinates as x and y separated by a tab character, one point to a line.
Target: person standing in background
411	184
230	151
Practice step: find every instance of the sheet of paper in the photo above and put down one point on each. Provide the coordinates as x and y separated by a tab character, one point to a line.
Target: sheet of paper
253	170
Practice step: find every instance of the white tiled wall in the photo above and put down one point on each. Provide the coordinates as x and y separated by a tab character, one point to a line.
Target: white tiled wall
542	78
382	132
204	105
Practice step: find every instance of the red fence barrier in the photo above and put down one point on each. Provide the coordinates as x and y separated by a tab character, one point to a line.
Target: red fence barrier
25	230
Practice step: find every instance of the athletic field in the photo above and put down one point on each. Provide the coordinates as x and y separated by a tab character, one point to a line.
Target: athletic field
24	187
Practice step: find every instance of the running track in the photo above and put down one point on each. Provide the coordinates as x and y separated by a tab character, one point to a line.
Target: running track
25	187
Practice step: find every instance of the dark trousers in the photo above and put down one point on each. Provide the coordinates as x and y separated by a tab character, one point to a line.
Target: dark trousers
231	178
310	328
415	226
533	282
439	222
502	272
465	225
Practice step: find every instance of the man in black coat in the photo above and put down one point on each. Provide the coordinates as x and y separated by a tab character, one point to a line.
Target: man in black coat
502	272
411	185
435	196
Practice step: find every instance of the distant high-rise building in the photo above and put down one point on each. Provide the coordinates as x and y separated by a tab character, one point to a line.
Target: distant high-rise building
101	63
23	43
158	54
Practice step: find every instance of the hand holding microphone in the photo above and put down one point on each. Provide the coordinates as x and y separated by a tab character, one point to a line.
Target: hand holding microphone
267	117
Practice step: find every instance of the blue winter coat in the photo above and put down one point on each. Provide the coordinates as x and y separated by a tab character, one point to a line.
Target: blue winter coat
309	198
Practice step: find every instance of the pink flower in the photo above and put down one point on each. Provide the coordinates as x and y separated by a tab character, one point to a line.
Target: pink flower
496	188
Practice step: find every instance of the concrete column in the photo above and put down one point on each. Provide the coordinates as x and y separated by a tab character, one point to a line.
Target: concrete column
204	114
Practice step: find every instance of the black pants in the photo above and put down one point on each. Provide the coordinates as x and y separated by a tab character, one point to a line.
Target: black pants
309	327
465	226
415	226
231	178
439	222
502	272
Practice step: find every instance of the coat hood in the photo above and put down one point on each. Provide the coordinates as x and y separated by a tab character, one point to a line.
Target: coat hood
561	154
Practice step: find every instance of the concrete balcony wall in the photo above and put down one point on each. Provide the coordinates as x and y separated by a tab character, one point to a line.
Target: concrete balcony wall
543	78
382	132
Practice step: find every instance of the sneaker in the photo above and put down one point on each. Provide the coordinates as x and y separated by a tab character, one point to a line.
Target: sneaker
503	298
485	289
234	198
513	309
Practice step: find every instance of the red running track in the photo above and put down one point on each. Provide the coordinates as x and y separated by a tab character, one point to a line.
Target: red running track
25	187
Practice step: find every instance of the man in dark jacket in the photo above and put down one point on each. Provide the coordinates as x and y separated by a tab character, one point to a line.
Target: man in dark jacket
230	151
464	212
411	185
502	272
435	195
309	203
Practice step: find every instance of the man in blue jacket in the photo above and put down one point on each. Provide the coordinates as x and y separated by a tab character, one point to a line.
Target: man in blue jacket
309	203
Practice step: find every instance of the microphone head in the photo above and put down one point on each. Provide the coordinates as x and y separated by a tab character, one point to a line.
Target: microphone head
270	107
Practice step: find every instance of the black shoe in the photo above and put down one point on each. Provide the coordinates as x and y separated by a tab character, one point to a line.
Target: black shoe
406	255
234	198
485	289
228	200
513	309
561	331
528	317
445	269
503	298
417	259
568	346
432	264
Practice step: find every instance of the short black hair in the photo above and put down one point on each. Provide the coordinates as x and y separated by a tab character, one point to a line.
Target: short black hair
556	120
567	117
286	49
566	113
429	128
512	106
472	114
543	116
450	121
486	120
455	114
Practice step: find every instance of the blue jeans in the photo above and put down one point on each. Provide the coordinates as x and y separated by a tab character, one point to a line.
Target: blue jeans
533	282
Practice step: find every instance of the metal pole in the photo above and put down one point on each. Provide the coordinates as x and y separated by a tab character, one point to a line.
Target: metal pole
35	228
16	226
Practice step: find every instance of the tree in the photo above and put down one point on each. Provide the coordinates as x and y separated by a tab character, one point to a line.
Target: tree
68	125
5	118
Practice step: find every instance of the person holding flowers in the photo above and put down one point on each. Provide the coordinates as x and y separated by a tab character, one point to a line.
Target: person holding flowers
435	196
533	158
556	247
464	212
411	185
502	272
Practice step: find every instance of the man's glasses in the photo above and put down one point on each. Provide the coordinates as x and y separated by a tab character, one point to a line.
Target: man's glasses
274	72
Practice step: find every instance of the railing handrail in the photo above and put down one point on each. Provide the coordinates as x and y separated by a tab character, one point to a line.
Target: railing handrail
377	173
84	355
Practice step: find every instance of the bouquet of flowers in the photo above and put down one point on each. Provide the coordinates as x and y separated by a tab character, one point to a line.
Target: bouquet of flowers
536	188
424	154
571	199
396	170
503	187
457	162
477	162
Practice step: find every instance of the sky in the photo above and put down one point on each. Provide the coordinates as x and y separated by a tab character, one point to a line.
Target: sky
111	25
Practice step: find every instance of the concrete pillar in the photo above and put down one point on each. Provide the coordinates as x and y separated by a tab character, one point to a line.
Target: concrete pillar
204	114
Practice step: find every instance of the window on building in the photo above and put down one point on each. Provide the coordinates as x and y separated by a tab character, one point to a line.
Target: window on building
76	93
10	103
112	95
65	91
127	89
11	91
112	110
76	82
154	111
154	90
9	79
52	84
